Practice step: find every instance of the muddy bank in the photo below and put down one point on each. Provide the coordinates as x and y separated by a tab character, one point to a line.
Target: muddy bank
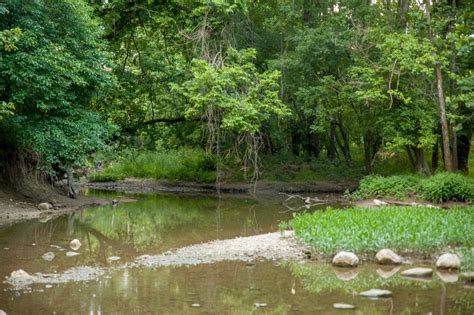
271	246
133	185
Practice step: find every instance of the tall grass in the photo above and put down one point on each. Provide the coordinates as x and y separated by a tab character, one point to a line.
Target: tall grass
183	164
402	228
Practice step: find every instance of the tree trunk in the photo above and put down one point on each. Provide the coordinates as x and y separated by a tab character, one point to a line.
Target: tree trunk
332	142
464	147
345	147
435	157
367	155
71	190
448	161
421	164
314	147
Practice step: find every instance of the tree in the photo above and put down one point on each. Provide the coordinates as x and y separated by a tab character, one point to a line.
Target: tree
53	68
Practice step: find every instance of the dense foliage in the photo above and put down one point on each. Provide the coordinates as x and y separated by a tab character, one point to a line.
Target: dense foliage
351	83
440	187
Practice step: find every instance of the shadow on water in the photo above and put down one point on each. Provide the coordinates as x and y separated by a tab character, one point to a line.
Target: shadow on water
158	223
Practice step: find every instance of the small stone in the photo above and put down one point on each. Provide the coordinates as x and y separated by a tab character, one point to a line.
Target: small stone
257	305
345	259
20	273
45	206
376	293
467	276
448	261
113	258
2	312
49	256
196	305
75	244
418	272
343	306
48	286
388	257
71	254
379	203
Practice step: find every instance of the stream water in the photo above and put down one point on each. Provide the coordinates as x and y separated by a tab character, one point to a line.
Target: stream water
160	222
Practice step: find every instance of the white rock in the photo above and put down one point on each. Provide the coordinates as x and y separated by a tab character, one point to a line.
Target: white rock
71	254
49	256
418	272
380	203
448	261
376	293
113	258
45	206
20	273
343	306
388	257
260	305
196	305
48	286
345	259
75	244
2	312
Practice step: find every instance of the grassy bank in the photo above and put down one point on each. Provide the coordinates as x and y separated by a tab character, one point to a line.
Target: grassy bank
183	164
414	229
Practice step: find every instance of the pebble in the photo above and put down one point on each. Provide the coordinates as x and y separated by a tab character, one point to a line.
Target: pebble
75	244
388	257
49	256
260	305
345	259
48	286
448	261
71	254
196	305
113	258
376	293
344	306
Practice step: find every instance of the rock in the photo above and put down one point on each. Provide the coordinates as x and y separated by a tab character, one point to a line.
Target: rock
49	256
257	305
387	272
45	206
20	273
75	244
345	274
2	312
343	306
376	293
196	305
345	259
113	258
418	272
388	257
380	203
48	286
448	277
467	276
71	254
448	261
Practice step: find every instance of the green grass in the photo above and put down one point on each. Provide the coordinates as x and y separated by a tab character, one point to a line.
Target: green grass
183	164
438	188
363	230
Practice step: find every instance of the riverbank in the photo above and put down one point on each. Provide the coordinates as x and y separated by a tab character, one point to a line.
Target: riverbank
136	185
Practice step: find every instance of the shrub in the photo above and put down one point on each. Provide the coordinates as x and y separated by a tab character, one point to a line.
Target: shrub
447	186
393	186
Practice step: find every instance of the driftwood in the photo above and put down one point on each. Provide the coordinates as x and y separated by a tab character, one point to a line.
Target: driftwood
379	202
308	202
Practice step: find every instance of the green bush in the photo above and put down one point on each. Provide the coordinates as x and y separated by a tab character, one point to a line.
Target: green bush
447	186
393	186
